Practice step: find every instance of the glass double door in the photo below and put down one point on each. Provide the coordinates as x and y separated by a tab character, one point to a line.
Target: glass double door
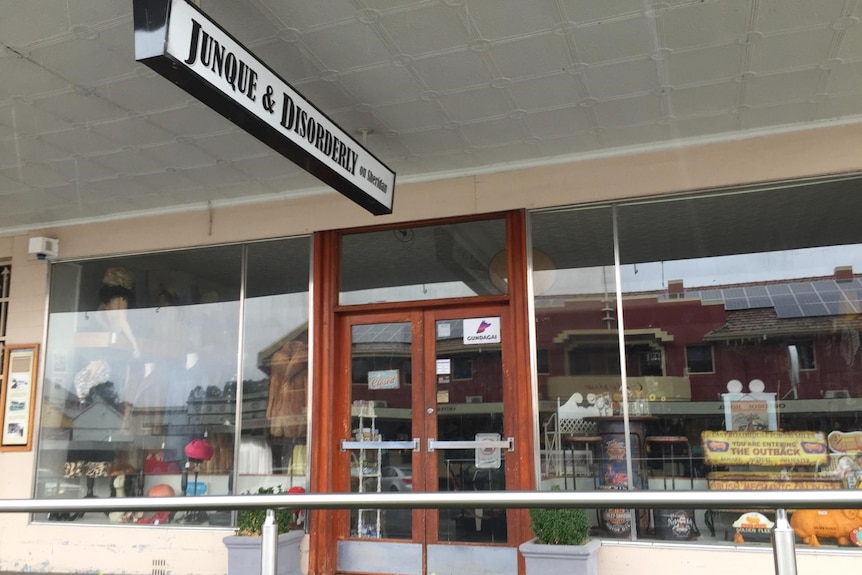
427	393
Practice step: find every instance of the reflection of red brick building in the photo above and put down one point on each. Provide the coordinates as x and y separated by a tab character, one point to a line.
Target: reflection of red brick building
712	336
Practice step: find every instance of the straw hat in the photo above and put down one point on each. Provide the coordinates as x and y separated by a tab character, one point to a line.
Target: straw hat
118	276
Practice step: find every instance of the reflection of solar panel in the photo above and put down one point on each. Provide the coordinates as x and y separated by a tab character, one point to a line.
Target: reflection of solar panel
786	304
831	295
759	301
788	310
736	303
382	333
824	285
807	298
832	308
802	299
731	293
783	299
802	287
813	309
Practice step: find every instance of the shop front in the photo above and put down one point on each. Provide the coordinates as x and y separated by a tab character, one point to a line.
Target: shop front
665	342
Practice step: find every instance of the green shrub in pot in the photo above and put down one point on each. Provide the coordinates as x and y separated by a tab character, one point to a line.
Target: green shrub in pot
563	526
562	543
249	522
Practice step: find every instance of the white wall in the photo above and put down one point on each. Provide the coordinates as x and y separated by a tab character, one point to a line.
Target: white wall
660	559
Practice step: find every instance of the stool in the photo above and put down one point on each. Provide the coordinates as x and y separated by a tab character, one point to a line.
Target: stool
587	443
671	447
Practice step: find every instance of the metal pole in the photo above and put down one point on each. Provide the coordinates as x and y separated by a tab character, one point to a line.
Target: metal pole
715	499
784	545
269	545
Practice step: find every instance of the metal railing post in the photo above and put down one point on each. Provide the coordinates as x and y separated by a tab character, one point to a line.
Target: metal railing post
783	545
269	545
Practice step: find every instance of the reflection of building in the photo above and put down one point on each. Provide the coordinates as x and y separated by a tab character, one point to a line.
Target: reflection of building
708	337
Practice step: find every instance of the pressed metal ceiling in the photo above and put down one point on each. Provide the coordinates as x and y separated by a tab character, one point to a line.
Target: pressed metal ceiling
440	87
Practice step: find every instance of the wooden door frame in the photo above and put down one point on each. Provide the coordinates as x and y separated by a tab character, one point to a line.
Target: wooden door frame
329	421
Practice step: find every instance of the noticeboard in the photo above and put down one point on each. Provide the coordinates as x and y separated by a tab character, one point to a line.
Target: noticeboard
17	396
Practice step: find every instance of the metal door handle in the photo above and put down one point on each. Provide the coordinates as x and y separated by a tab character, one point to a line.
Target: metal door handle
356	445
508	443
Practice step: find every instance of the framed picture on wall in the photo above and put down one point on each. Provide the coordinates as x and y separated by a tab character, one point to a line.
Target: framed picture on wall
17	397
750	412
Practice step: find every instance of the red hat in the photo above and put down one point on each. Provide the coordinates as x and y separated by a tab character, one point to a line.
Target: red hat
199	449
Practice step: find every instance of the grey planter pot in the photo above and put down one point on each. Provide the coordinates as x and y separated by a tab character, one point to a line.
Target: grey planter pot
243	554
541	559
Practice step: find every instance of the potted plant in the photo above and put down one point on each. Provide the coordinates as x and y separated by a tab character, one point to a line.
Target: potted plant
244	548
562	543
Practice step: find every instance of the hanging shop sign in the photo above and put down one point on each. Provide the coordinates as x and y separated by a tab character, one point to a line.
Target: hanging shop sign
784	448
384	379
177	40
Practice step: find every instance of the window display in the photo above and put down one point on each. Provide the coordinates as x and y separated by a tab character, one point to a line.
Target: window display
142	363
739	338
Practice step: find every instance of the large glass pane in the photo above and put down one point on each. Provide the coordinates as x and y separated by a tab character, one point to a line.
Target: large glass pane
273	452
584	444
742	326
469	408
140	366
420	263
740	362
381	418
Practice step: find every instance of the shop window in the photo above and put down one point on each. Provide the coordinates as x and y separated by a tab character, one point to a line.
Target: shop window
698	359
141	376
462	368
741	291
805	353
273	445
649	361
594	361
424	262
543	362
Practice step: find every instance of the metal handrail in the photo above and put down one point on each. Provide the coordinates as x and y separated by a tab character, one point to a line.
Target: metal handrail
802	499
784	550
